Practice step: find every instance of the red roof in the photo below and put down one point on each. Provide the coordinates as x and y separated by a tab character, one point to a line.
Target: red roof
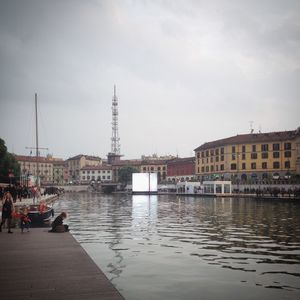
106	167
24	158
252	138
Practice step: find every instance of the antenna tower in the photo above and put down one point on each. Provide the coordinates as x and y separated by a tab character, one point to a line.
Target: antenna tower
115	140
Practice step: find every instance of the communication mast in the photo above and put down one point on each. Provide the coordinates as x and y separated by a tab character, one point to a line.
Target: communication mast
115	140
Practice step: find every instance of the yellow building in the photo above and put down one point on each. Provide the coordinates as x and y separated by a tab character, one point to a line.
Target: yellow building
250	157
155	166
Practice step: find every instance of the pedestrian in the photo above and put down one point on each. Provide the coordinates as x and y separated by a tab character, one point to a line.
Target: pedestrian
57	225
25	221
7	210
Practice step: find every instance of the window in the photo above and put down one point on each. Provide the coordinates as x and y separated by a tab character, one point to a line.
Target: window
108	177
233	166
275	154
158	168
164	168
222	157
264	155
202	160
275	147
222	150
198	154
211	168
217	158
287	146
243	156
253	148
211	152
264	165
151	168
206	153
83	177
202	154
88	177
211	159
207	160
202	170
103	177
217	168
93	172
253	166
276	165
88	172
83	172
233	157
287	164
287	153
243	166
254	155
144	168
207	169
222	167
233	149
264	148
243	148
217	151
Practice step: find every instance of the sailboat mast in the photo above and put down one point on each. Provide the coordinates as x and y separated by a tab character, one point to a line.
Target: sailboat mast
37	142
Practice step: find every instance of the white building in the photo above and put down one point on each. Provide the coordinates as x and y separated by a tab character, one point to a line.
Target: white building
96	173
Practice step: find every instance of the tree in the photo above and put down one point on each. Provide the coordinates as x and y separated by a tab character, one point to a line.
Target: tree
125	174
8	164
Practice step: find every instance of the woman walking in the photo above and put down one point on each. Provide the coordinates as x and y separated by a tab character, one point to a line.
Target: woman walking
7	209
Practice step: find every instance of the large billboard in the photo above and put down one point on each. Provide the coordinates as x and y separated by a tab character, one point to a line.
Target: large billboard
144	182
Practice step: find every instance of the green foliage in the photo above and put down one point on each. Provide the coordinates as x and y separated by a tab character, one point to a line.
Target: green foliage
125	174
8	163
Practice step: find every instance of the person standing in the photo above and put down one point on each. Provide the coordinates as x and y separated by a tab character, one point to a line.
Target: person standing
7	210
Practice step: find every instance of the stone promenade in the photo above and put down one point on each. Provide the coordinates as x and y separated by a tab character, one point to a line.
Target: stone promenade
38	265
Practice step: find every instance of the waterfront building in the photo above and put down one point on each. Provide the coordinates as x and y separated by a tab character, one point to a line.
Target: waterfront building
181	169
155	156
60	172
76	163
246	158
28	167
155	166
96	173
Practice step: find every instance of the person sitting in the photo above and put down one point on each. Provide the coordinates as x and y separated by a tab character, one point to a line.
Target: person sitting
57	225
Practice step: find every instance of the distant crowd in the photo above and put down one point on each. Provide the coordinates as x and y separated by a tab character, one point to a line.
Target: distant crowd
19	192
272	191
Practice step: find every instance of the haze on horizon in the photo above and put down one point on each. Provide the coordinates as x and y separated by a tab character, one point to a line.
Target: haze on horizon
187	72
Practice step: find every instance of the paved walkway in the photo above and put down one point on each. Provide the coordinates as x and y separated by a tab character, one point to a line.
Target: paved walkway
40	265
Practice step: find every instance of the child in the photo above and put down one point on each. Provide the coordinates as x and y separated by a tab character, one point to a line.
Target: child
25	221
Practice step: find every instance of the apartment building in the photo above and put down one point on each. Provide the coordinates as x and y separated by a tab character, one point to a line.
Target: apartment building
250	157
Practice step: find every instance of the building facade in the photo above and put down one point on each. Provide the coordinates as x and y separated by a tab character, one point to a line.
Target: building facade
181	169
250	157
60	172
96	173
76	163
155	166
28	167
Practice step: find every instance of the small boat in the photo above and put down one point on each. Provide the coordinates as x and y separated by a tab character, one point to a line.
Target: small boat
38	216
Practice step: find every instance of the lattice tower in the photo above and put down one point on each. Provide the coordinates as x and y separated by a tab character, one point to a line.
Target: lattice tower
115	140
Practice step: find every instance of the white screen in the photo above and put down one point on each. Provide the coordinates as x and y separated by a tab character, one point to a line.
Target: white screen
144	182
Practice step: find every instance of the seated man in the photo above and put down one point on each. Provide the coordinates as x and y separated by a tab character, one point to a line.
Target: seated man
57	225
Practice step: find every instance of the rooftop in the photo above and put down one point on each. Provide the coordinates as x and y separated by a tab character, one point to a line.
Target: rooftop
252	138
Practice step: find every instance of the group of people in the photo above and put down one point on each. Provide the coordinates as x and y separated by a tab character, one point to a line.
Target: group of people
8	212
19	192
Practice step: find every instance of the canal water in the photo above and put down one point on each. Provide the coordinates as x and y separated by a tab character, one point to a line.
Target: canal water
170	247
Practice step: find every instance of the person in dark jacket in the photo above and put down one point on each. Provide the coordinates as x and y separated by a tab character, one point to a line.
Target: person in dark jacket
57	225
7	210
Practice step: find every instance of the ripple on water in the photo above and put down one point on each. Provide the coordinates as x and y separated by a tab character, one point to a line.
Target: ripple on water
160	241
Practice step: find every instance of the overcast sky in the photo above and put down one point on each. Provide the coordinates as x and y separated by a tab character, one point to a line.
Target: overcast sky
187	72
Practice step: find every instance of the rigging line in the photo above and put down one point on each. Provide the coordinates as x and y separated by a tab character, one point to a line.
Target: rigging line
30	128
44	130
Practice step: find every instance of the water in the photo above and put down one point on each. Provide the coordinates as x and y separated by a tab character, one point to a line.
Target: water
168	247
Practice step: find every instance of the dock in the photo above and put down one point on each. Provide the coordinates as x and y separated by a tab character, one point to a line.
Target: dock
41	265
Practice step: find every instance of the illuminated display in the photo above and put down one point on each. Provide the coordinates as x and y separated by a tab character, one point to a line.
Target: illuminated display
144	182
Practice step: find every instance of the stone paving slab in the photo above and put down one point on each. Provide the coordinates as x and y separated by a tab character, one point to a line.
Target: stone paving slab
43	265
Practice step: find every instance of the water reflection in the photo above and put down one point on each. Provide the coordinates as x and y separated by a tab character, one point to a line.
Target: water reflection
165	247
